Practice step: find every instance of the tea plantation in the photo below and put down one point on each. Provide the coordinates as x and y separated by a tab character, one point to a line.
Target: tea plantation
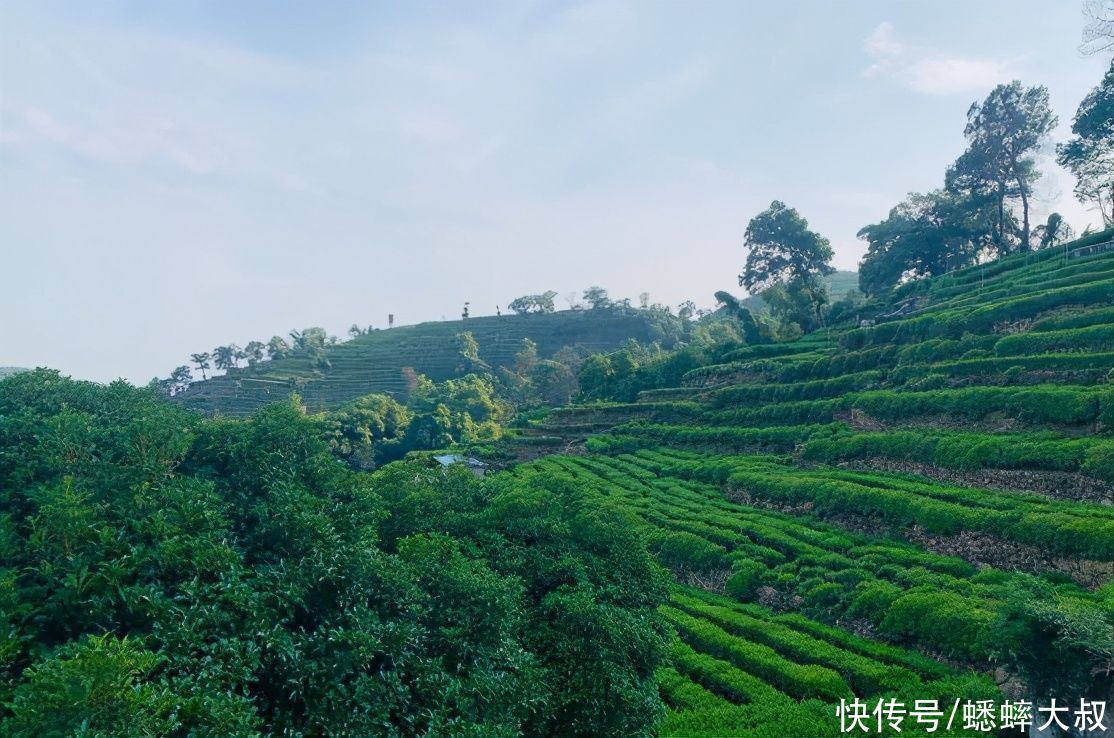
374	363
917	507
912	506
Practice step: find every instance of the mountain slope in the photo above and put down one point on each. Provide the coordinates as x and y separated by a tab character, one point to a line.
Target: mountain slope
375	362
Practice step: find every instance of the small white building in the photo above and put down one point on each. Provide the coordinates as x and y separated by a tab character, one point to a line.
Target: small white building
478	467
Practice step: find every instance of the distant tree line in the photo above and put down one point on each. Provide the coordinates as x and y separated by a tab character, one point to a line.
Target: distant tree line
310	342
595	298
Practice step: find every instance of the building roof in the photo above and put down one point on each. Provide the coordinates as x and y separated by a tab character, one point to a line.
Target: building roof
450	459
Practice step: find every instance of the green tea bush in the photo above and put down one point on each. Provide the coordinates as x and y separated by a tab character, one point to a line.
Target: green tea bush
1076	318
866	676
798	680
1098	339
948	622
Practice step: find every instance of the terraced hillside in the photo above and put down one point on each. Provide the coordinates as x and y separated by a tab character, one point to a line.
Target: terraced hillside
375	362
920	507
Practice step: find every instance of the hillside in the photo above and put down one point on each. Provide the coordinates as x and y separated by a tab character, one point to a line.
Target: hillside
374	363
910	505
914	510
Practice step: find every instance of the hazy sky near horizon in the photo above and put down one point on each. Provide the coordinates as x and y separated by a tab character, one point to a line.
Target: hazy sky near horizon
175	176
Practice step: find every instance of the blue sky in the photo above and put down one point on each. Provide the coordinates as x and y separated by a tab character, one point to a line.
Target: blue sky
174	176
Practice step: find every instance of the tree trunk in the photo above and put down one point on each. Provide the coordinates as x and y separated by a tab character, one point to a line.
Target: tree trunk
1000	236
1024	214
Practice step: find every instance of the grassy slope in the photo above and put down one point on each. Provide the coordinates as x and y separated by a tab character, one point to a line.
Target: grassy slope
374	363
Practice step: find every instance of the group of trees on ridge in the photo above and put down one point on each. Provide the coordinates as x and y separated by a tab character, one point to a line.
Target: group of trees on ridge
596	298
310	342
983	211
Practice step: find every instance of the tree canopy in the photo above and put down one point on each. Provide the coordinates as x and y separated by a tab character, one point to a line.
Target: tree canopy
542	303
1003	133
597	297
783	253
1089	153
781	249
924	235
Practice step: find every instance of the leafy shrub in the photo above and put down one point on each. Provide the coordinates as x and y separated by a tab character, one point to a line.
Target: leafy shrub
941	620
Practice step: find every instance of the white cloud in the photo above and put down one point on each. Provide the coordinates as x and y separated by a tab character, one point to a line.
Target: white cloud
882	42
927	70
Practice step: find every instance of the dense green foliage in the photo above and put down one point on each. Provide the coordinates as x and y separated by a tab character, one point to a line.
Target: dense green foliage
168	575
785	261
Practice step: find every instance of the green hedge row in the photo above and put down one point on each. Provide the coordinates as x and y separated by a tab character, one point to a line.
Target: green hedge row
944	349
799	369
1092	456
818	389
1060	533
784	413
1096	339
866	676
1026	262
1035	404
1066	277
1096	366
777	439
885	653
802	681
725	680
836	573
760	366
702	714
952	324
765	351
1075	319
1041	519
